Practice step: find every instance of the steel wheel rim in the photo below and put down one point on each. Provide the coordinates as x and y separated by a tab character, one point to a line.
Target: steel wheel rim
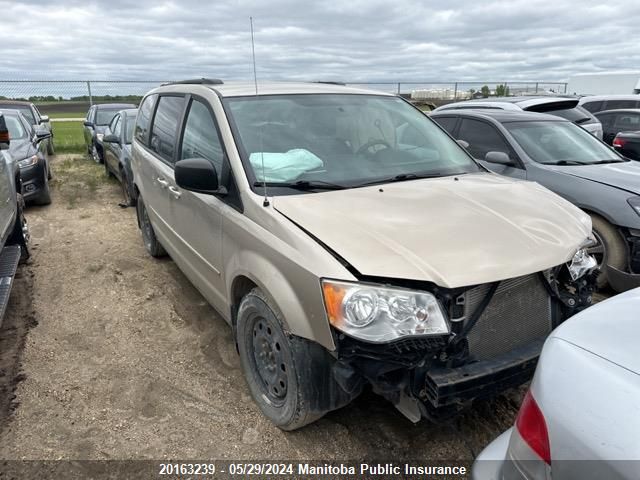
146	228
598	251
268	360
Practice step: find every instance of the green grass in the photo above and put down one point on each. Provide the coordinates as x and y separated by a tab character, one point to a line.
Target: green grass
76	178
68	137
78	114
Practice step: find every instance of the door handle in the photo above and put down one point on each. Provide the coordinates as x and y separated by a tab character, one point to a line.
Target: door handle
163	183
175	192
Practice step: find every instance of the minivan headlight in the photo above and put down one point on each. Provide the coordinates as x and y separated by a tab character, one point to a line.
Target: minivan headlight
581	263
27	162
382	314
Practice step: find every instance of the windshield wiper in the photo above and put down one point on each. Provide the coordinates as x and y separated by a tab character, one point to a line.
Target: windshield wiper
303	185
568	162
402	177
612	160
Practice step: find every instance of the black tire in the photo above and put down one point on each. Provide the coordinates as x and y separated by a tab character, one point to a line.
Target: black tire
44	197
51	149
20	232
107	171
95	153
149	239
129	199
289	377
610	250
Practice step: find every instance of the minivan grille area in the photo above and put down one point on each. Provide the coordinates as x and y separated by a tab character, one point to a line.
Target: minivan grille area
519	313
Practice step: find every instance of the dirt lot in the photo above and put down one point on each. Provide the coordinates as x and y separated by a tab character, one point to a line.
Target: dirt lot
124	359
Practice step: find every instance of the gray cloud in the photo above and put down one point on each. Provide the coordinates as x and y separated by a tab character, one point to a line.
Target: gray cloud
354	40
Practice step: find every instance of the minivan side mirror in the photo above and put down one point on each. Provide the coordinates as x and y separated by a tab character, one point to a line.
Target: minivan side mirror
197	175
111	138
500	158
87	123
44	118
464	144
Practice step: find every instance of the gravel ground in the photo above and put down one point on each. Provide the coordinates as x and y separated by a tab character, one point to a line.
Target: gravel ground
124	359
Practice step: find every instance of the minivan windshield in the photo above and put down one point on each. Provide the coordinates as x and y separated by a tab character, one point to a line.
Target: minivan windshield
560	143
340	140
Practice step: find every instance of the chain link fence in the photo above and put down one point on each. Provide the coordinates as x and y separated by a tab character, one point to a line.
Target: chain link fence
66	102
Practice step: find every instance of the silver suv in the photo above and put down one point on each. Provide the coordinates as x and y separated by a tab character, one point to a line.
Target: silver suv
349	241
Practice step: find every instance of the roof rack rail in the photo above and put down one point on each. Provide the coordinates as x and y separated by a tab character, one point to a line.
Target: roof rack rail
197	81
328	82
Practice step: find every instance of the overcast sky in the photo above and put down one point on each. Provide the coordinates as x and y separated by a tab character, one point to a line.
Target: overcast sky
355	40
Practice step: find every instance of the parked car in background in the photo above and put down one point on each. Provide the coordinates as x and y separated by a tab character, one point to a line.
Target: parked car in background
117	151
96	122
349	241
35	118
14	231
616	121
579	419
28	152
564	107
628	144
599	103
562	157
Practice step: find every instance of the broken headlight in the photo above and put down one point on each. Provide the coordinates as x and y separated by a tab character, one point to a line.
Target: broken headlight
581	264
382	314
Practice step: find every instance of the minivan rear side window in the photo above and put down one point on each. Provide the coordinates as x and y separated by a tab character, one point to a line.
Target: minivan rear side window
619	104
593	107
144	118
200	138
164	131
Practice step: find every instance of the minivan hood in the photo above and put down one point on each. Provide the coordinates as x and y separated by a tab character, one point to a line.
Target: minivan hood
453	231
619	175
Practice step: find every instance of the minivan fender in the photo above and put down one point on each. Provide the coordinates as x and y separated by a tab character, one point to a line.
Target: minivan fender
308	321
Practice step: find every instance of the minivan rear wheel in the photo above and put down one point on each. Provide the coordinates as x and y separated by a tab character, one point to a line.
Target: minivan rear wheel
149	239
279	367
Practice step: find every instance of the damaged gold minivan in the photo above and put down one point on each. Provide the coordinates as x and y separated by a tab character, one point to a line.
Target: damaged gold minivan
350	242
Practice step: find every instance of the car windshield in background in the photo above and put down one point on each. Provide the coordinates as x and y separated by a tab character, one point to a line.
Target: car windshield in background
104	117
131	123
341	140
576	115
23	109
560	143
16	130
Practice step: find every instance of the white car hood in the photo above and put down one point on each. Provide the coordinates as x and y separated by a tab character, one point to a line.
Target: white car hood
453	231
609	329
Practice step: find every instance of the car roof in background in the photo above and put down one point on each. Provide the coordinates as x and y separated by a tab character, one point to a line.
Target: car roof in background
114	106
502	116
619	110
244	89
599	98
15	102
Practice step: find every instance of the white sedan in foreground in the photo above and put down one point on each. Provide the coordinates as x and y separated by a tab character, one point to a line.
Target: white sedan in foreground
581	416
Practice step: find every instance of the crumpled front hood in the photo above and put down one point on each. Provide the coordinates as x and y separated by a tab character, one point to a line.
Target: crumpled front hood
619	175
21	149
453	232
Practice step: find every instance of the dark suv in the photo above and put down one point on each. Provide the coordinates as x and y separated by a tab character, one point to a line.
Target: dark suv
35	118
96	122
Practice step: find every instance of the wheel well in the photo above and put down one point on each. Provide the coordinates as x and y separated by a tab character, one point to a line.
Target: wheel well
240	287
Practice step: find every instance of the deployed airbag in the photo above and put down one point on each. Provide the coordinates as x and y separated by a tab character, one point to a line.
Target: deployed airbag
283	167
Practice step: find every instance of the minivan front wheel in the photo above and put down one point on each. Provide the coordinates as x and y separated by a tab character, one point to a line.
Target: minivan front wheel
279	367
151	243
